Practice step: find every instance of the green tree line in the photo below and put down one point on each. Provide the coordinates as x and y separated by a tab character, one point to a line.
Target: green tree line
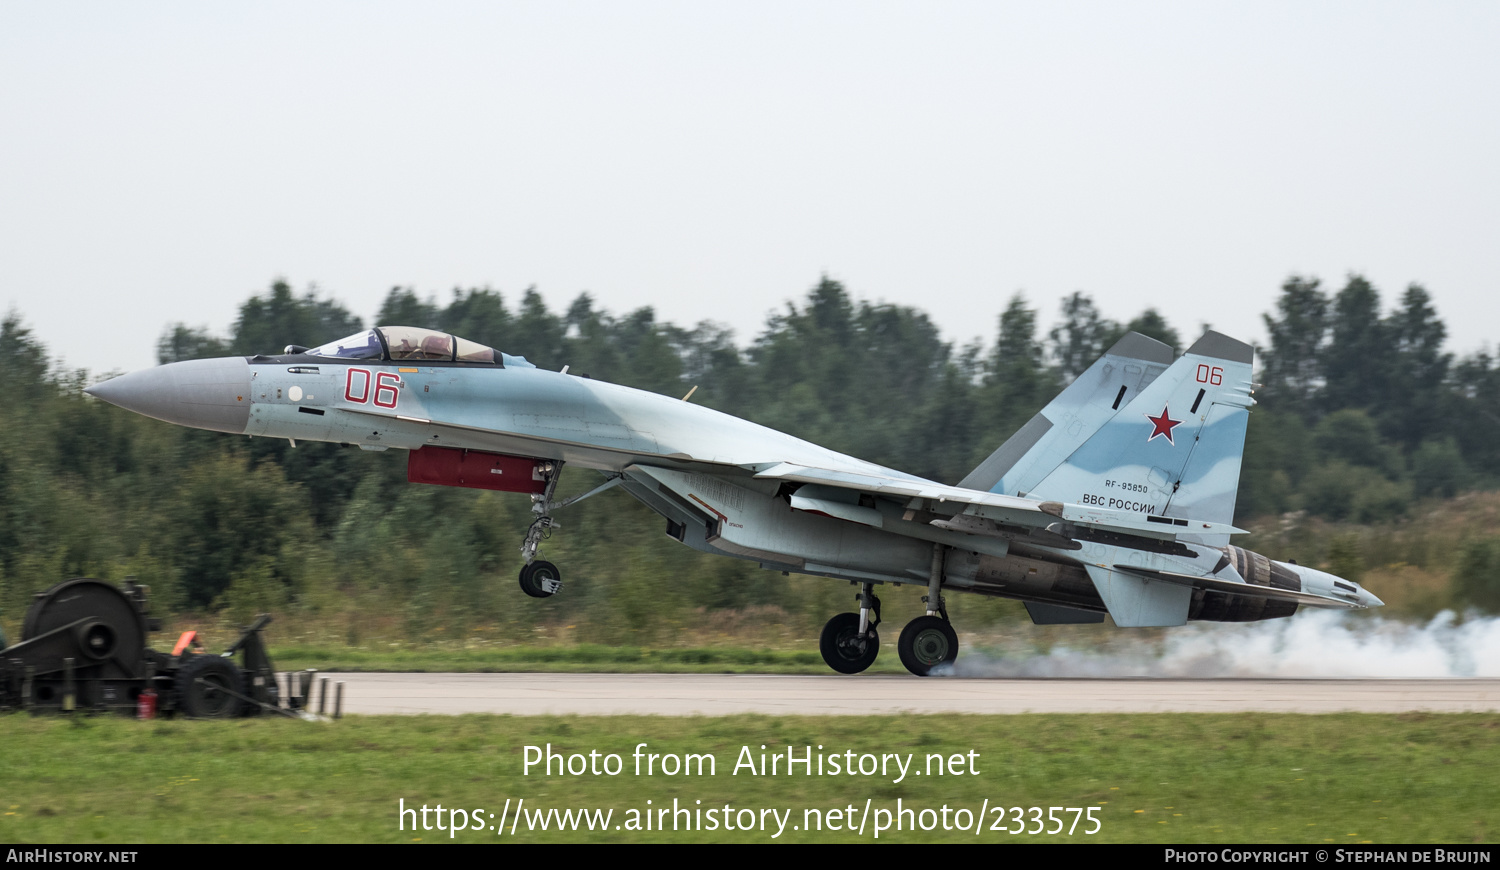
1362	413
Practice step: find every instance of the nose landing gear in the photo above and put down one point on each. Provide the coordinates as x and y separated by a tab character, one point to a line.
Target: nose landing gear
539	579
542	579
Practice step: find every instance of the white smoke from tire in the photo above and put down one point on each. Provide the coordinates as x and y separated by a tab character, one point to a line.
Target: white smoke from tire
1315	643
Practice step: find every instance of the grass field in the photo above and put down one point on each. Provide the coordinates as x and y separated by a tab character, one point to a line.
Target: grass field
1181	778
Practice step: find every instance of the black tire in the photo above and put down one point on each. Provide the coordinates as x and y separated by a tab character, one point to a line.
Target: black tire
842	647
208	687
926	642
533	575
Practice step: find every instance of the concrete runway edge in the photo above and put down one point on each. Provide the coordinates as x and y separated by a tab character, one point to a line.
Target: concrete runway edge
833	695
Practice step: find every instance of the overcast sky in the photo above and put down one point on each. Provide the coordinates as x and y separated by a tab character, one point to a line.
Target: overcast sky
160	162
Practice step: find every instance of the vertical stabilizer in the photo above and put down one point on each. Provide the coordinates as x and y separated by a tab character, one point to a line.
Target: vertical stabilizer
1073	417
1175	450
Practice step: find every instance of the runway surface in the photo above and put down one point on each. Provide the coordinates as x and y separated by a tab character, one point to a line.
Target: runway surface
721	694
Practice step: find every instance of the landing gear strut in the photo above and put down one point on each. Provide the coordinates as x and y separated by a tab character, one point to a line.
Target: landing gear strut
541	579
850	643
929	641
542	505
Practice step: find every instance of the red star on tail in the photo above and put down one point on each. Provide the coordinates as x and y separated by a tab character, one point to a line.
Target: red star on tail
1164	425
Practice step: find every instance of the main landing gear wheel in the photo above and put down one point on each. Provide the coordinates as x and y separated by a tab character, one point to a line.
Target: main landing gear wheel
541	579
926	642
842	647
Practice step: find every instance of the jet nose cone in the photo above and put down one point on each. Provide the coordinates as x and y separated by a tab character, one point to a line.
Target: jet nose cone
202	393
1368	599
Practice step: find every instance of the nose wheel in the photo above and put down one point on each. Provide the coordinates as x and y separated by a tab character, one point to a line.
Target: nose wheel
541	579
927	642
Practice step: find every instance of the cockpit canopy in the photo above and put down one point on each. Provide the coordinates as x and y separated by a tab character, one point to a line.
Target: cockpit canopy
415	344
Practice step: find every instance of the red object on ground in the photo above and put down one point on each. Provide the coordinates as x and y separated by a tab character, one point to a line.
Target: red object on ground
448	466
145	705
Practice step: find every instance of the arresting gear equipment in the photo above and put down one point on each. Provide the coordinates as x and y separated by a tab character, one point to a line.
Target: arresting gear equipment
84	647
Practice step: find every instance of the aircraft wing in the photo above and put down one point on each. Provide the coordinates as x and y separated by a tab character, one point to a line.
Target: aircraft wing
1002	508
1134	596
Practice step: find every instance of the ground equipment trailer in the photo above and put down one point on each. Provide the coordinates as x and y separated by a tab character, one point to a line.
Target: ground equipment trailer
84	647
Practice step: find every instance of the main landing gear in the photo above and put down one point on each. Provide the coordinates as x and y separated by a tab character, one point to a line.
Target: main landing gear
539	578
849	643
929	641
926	642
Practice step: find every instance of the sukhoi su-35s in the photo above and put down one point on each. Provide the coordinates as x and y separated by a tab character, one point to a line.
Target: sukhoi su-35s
1116	499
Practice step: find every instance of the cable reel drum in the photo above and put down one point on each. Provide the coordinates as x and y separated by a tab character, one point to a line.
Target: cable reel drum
98	625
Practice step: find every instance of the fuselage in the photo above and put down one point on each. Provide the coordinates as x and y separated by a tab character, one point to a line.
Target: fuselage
517	409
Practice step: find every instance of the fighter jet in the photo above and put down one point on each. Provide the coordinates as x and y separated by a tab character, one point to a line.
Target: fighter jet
1117	498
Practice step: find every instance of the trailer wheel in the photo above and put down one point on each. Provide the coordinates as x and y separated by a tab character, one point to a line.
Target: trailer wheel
208	687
